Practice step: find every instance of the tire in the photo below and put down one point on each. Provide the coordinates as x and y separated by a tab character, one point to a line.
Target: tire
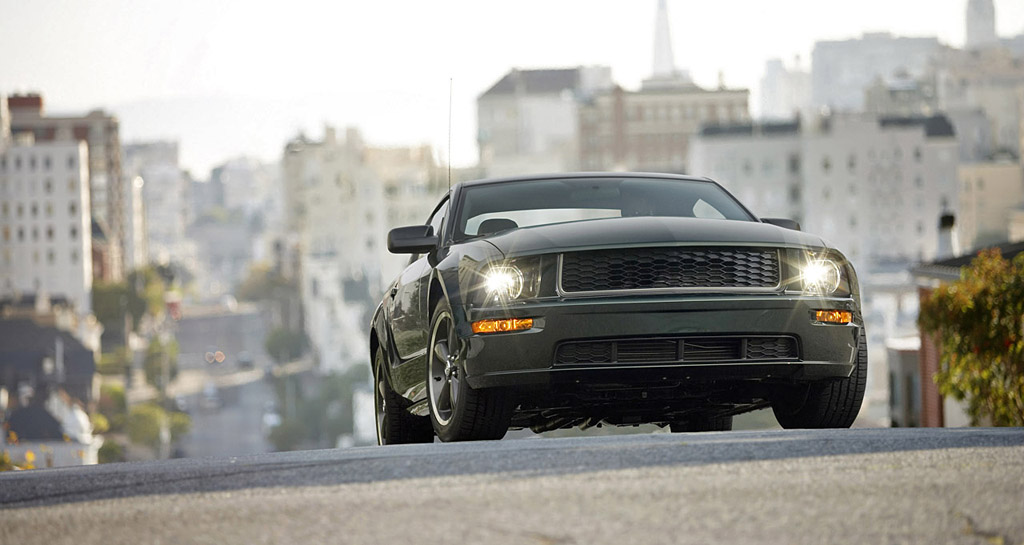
395	425
702	423
457	411
827	405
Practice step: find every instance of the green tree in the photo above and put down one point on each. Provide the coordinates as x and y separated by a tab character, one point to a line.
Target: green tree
113	406
284	345
264	284
156	354
979	321
111	452
144	423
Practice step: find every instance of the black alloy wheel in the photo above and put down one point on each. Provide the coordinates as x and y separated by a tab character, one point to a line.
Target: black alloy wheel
394	424
457	411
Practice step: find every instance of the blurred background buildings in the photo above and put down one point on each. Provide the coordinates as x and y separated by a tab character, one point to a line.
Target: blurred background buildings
902	151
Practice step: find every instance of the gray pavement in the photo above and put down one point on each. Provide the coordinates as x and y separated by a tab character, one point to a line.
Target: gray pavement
838	486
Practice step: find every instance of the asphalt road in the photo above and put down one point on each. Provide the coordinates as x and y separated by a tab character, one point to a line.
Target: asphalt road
843	486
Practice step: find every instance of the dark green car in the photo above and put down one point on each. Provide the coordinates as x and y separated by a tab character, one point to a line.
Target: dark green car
613	299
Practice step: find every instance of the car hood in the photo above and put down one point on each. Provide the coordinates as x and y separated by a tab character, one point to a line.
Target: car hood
647	231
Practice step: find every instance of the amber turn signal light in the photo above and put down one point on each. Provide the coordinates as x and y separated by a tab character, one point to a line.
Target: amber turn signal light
833	316
502	326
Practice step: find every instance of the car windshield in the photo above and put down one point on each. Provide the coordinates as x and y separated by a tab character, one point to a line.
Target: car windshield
490	208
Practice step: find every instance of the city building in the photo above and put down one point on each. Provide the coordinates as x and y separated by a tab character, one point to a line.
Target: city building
107	185
987	80
45	223
980	25
351	195
759	163
166	198
842	69
527	121
990	194
785	91
650	129
872	186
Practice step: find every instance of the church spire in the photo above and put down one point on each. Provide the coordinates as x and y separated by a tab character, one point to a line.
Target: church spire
664	60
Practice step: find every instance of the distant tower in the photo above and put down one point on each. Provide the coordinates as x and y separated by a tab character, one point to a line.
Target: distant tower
664	60
981	24
664	73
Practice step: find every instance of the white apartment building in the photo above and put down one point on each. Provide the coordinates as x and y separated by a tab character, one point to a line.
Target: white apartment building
527	121
45	221
350	196
872	187
785	90
759	164
166	198
842	69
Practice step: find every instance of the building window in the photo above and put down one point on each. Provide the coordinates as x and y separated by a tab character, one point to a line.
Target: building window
826	164
17	163
21	210
71	161
48	186
47	163
49	233
50	257
74	256
72	209
851	163
917	154
72	184
7	234
32	162
6	209
794	163
35	233
74	233
35	210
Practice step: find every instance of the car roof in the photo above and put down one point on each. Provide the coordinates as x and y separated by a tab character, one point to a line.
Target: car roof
583	175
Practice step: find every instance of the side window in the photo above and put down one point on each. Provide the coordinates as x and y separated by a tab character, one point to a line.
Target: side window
437	220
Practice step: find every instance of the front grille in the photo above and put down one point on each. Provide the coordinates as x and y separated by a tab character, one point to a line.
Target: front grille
670	268
677	350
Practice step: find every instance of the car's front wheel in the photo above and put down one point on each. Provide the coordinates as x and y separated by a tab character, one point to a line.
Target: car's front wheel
459	412
832	404
394	424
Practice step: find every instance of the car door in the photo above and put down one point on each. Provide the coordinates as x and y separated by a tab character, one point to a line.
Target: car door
408	299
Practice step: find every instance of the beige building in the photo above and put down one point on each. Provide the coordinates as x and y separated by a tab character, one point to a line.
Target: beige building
991	196
990	80
107	186
650	130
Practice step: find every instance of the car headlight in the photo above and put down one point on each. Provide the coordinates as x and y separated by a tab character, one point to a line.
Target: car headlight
513	280
504	282
821	277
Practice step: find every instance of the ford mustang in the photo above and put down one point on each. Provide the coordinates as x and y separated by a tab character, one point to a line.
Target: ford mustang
597	299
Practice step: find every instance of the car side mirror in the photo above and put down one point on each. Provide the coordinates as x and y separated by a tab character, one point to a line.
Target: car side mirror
414	239
782	222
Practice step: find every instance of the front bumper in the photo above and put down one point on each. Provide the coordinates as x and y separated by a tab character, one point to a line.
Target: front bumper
528	358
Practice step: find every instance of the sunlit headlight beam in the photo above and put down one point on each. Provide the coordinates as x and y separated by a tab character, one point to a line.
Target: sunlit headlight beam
821	277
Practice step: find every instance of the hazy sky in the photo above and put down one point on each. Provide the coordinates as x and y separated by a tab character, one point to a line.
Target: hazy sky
241	76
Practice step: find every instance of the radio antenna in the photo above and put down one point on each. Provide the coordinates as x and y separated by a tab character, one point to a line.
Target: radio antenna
450	83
